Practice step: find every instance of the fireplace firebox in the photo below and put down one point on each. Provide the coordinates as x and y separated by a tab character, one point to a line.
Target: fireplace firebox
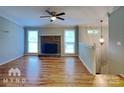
50	45
49	48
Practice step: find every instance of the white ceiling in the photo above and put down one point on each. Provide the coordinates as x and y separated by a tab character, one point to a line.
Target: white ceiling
75	15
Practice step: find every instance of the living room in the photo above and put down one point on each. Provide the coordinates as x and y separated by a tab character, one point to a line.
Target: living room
60	46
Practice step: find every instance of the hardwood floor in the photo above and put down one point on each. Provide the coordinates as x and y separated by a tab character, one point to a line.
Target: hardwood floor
55	72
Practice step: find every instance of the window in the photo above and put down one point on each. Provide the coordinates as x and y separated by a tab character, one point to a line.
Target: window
32	41
69	41
92	31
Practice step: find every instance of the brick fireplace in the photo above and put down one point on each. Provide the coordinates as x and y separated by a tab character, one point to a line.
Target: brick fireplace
50	45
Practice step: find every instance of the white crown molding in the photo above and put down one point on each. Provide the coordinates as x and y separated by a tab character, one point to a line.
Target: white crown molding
113	10
8	17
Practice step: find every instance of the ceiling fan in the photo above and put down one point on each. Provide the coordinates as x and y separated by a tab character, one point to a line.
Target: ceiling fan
53	15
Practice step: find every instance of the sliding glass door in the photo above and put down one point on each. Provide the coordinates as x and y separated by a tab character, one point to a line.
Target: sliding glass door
69	42
32	41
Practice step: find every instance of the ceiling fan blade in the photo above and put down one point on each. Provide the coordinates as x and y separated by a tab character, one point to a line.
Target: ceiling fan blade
60	14
50	13
44	16
60	18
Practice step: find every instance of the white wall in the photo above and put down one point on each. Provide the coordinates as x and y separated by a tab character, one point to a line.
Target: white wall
87	56
116	42
11	40
93	39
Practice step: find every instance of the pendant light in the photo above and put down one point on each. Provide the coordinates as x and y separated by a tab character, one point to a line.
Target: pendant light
101	40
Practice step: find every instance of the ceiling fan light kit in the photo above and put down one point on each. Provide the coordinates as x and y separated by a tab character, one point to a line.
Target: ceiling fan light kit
53	18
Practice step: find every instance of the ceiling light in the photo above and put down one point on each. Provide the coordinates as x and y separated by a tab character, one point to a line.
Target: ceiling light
53	18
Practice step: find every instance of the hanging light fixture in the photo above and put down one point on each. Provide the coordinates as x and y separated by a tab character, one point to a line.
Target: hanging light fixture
101	40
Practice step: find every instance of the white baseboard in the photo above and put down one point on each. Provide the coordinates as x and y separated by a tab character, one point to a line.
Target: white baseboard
69	55
86	65
10	60
31	54
121	75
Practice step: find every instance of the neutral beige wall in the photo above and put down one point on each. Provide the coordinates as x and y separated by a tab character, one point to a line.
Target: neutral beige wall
116	42
93	39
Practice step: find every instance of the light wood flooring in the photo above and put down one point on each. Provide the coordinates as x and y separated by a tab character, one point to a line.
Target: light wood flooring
54	72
